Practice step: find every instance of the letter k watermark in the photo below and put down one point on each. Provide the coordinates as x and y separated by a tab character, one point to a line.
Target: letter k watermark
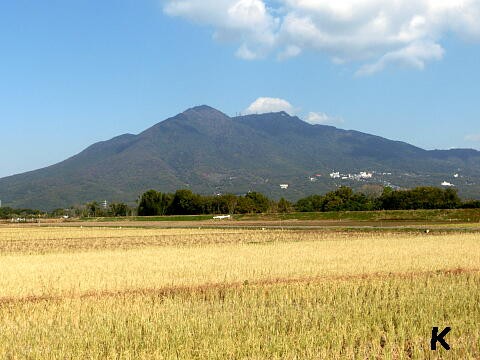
436	337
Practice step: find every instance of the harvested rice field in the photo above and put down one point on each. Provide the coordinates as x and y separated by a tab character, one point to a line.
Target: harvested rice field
145	293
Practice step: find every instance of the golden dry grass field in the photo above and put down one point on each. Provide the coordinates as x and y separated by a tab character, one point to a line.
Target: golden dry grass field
133	293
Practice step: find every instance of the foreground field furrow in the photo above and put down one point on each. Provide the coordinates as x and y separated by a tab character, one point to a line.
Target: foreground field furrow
41	241
170	291
360	318
31	240
117	270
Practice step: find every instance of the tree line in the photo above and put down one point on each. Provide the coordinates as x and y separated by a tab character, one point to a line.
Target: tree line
90	209
345	199
185	202
8	212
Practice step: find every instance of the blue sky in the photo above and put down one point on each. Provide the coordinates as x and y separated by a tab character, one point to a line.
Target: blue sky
76	72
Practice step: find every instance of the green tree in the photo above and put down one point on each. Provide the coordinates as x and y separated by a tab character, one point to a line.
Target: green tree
284	206
311	203
231	202
260	202
424	197
245	205
154	203
185	202
92	209
118	209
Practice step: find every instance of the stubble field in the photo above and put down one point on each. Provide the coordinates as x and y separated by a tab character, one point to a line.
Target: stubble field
112	293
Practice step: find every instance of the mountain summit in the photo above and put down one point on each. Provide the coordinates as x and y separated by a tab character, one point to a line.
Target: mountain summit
209	152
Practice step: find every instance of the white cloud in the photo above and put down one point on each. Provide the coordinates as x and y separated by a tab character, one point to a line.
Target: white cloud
247	22
415	55
322	119
473	137
377	33
267	105
289	51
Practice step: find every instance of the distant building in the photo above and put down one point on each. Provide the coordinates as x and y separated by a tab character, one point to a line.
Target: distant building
365	175
446	183
284	186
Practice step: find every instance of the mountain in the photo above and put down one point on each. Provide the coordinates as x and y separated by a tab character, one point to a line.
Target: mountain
209	152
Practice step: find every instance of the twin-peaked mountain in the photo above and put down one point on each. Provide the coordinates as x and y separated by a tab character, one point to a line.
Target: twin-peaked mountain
209	152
